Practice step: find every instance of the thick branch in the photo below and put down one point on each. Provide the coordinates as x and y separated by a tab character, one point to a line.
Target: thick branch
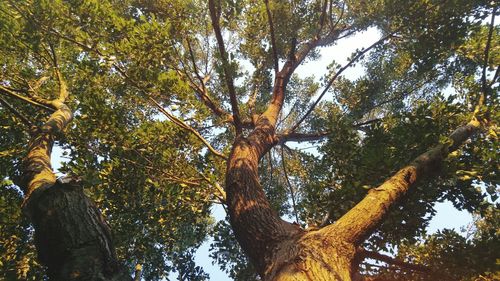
36	168
225	65
270	116
7	91
363	218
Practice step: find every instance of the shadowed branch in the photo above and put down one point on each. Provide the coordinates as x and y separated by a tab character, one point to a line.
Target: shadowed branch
214	15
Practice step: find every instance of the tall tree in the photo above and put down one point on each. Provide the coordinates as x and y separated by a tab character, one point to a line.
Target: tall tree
182	104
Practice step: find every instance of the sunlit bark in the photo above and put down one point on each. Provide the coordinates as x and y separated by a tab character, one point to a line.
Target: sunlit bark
71	236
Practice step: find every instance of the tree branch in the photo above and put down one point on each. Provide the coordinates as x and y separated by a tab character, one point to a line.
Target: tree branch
269	117
46	106
226	67
299	137
487	50
63	88
367	122
138	272
203	91
37	174
418	268
273	39
174	119
290	187
217	186
362	219
393	261
19	115
337	74
185	126
495	76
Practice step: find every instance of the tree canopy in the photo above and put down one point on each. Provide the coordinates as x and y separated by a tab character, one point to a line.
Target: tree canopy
167	95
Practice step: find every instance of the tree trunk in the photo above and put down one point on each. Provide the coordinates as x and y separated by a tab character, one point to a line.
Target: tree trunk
278	249
283	251
71	236
256	225
314	256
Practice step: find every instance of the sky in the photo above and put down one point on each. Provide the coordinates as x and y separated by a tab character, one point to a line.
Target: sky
446	217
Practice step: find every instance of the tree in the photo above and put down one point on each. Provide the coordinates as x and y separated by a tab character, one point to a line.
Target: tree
164	110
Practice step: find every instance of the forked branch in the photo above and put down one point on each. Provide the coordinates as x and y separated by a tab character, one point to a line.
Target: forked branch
185	126
334	78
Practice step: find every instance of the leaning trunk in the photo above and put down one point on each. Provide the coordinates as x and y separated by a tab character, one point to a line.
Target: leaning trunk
71	236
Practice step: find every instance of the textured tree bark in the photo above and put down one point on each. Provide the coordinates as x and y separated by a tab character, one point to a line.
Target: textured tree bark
71	236
314	256
279	250
283	251
257	227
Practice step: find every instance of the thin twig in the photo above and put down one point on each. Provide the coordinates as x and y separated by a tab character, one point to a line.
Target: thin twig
273	38
487	50
185	126
401	264
202	91
16	113
292	193
330	82
174	119
63	88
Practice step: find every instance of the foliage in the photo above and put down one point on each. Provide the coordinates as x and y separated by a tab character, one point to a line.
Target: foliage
155	180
